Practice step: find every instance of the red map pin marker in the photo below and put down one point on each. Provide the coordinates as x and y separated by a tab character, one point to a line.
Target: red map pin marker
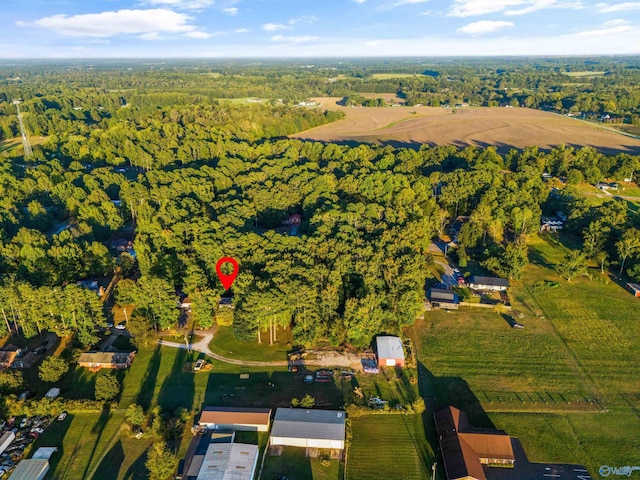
227	280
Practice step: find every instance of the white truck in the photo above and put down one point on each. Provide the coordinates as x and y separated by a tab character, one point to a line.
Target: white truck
6	440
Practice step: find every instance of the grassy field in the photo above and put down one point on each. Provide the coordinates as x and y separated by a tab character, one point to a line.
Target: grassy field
224	343
388	447
566	384
9	145
503	127
295	466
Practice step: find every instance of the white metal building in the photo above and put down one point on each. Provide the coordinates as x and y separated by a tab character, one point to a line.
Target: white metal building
30	469
296	427
390	352
229	461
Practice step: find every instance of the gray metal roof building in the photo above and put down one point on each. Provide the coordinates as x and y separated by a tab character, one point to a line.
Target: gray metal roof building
30	469
229	461
297	427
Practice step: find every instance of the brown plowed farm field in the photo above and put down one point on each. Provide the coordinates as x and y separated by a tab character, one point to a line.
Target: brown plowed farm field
503	127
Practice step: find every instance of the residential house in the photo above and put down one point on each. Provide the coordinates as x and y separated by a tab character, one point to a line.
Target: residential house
236	419
465	449
389	351
489	283
443	298
297	427
97	360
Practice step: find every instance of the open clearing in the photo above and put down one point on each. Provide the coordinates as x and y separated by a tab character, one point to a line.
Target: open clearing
389	447
566	385
387	76
478	126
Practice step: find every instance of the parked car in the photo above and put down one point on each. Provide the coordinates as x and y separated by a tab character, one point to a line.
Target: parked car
308	378
121	326
24	422
109	325
62	416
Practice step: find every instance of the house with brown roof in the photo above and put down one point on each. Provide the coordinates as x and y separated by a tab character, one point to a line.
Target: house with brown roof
236	419
97	360
466	449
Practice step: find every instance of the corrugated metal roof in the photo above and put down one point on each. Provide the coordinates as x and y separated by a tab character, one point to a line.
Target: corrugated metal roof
30	469
389	347
44	453
229	461
442	294
235	416
313	424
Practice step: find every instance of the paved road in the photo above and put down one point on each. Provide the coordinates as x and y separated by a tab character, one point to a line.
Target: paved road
328	359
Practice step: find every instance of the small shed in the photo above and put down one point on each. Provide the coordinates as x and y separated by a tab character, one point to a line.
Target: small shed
236	419
390	352
634	288
297	427
53	393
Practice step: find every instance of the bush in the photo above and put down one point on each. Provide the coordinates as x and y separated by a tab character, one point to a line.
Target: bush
11	381
107	387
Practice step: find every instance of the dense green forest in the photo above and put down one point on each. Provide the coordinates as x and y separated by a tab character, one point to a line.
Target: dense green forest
159	156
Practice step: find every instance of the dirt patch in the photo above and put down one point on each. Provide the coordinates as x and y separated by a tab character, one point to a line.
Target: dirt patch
504	128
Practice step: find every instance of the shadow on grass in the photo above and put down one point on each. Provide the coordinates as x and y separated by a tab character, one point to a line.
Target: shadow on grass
137	468
178	388
149	382
106	470
98	428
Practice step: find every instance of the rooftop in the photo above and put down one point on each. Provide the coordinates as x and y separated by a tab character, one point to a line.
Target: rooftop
229	461
104	357
301	423
233	415
389	347
491	281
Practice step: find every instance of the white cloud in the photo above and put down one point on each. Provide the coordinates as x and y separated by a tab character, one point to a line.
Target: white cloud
612	27
359	1
309	19
408	2
274	27
242	30
617	7
108	24
293	39
150	36
484	26
230	11
197	34
471	8
181	4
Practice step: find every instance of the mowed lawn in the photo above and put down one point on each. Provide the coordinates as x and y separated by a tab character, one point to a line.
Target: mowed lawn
295	466
388	447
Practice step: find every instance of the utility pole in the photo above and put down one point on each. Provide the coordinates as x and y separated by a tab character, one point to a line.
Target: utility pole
28	153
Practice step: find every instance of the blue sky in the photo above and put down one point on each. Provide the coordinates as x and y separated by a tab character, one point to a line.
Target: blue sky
316	28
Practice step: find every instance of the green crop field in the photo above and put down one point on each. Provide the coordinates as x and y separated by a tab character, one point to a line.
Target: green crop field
566	384
388	447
